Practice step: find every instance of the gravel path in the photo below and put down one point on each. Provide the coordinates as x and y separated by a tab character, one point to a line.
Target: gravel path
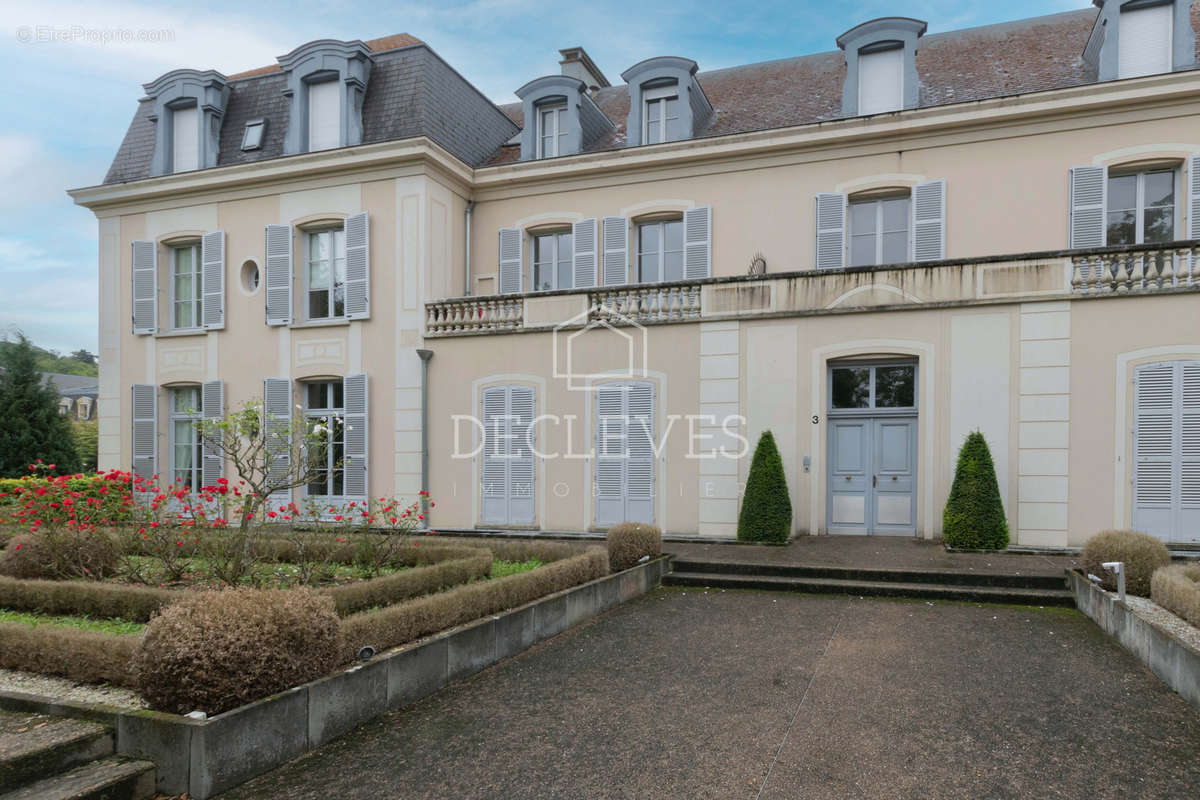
63	689
1158	616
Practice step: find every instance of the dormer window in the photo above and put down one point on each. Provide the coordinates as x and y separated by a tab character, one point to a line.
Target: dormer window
1145	40
252	135
661	115
185	139
881	79
324	116
552	129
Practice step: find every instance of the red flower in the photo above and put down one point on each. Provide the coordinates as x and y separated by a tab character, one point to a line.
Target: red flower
17	546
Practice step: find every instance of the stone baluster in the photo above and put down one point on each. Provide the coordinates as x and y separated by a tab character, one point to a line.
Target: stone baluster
1137	274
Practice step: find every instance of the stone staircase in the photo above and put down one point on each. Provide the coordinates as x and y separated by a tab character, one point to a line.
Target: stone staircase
959	585
55	758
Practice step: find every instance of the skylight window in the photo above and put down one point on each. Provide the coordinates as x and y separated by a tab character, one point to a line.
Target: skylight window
252	136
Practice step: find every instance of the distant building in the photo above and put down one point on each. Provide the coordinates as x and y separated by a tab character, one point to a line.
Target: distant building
76	394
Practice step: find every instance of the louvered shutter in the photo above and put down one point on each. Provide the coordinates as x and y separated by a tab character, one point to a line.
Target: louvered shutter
584	244
279	274
212	279
510	260
212	409
145	287
610	455
520	455
616	251
1153	449
929	221
831	231
356	457
493	474
639	467
145	433
277	428
1187	527
358	266
1089	187
1194	201
697	243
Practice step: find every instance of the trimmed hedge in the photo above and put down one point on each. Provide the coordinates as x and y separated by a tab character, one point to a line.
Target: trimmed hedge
629	542
70	554
389	589
974	515
1141	552
219	650
404	622
1177	589
766	514
85	598
84	656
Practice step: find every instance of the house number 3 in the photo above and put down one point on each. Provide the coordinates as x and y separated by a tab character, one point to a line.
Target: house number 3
816	419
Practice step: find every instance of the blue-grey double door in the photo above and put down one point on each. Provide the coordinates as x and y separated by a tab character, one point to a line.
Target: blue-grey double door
872	479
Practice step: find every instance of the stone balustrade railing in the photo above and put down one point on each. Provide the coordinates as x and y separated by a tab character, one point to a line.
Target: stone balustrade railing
645	303
1151	269
470	314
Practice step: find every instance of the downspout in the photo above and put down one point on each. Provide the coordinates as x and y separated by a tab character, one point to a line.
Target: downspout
467	275
425	355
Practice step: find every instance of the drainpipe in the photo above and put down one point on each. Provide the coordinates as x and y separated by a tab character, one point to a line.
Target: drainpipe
425	355
467	276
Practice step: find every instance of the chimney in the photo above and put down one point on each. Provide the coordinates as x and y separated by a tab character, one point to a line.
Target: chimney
576	63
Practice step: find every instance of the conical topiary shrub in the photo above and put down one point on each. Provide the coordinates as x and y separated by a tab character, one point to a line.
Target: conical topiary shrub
974	515
766	514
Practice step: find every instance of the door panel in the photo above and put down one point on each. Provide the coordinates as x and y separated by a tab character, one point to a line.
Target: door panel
849	479
872	476
894	476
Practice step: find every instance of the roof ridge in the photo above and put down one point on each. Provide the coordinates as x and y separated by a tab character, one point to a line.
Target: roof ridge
383	43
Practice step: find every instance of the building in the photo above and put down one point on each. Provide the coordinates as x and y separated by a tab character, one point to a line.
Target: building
615	288
77	394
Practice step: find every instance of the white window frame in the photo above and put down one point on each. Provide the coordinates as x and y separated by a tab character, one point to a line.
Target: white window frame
555	237
656	98
190	415
661	224
197	287
878	202
326	415
1139	210
309	233
557	113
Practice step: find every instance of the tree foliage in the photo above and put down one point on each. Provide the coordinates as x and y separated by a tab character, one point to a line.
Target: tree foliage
31	429
974	515
766	514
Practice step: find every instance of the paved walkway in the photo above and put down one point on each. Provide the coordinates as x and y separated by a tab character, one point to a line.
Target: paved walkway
693	694
874	552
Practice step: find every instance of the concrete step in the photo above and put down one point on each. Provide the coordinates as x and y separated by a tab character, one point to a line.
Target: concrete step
929	591
33	746
1031	580
112	778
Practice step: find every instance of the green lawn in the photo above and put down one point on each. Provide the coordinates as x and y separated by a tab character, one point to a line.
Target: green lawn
81	623
502	569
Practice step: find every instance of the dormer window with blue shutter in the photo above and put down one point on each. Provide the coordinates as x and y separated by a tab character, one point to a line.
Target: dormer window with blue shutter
881	70
327	80
561	118
188	106
1140	37
666	103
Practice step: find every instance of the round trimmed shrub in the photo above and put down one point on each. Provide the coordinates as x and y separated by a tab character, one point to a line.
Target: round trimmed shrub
219	650
1141	552
25	557
974	515
766	514
628	542
65	554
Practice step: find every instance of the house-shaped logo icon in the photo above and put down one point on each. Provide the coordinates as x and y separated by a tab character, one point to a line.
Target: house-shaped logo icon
626	358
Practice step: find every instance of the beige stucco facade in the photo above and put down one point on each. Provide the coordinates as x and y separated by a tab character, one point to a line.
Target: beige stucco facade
1011	345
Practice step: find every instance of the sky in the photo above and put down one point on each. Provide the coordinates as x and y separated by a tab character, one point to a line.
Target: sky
75	72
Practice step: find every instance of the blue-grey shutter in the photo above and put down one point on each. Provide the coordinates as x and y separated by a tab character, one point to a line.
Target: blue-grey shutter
356	394
145	431
520	455
616	250
358	266
279	274
1194	200
610	455
1089	189
212	409
510	260
493	473
831	231
584	236
1187	528
697	243
929	221
212	279
639	467
145	287
277	428
1154	407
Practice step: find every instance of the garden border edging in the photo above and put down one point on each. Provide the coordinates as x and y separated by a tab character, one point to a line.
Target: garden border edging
205	757
1167	656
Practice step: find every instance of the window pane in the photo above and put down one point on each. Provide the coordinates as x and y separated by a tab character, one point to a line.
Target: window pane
318	274
1159	188
318	246
895	214
543	277
851	387
339	301
183	315
1159	224
565	265
653	134
648	268
648	238
316	395
673	265
862	250
337	395
1122	227
185	400
673	234
183	260
895	247
1122	192
894	386
318	304
862	217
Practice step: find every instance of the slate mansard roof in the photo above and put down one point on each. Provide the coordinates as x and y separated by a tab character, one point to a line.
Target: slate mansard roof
412	92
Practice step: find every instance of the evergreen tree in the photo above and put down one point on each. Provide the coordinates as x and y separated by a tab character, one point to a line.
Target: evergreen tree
766	514
974	515
30	425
